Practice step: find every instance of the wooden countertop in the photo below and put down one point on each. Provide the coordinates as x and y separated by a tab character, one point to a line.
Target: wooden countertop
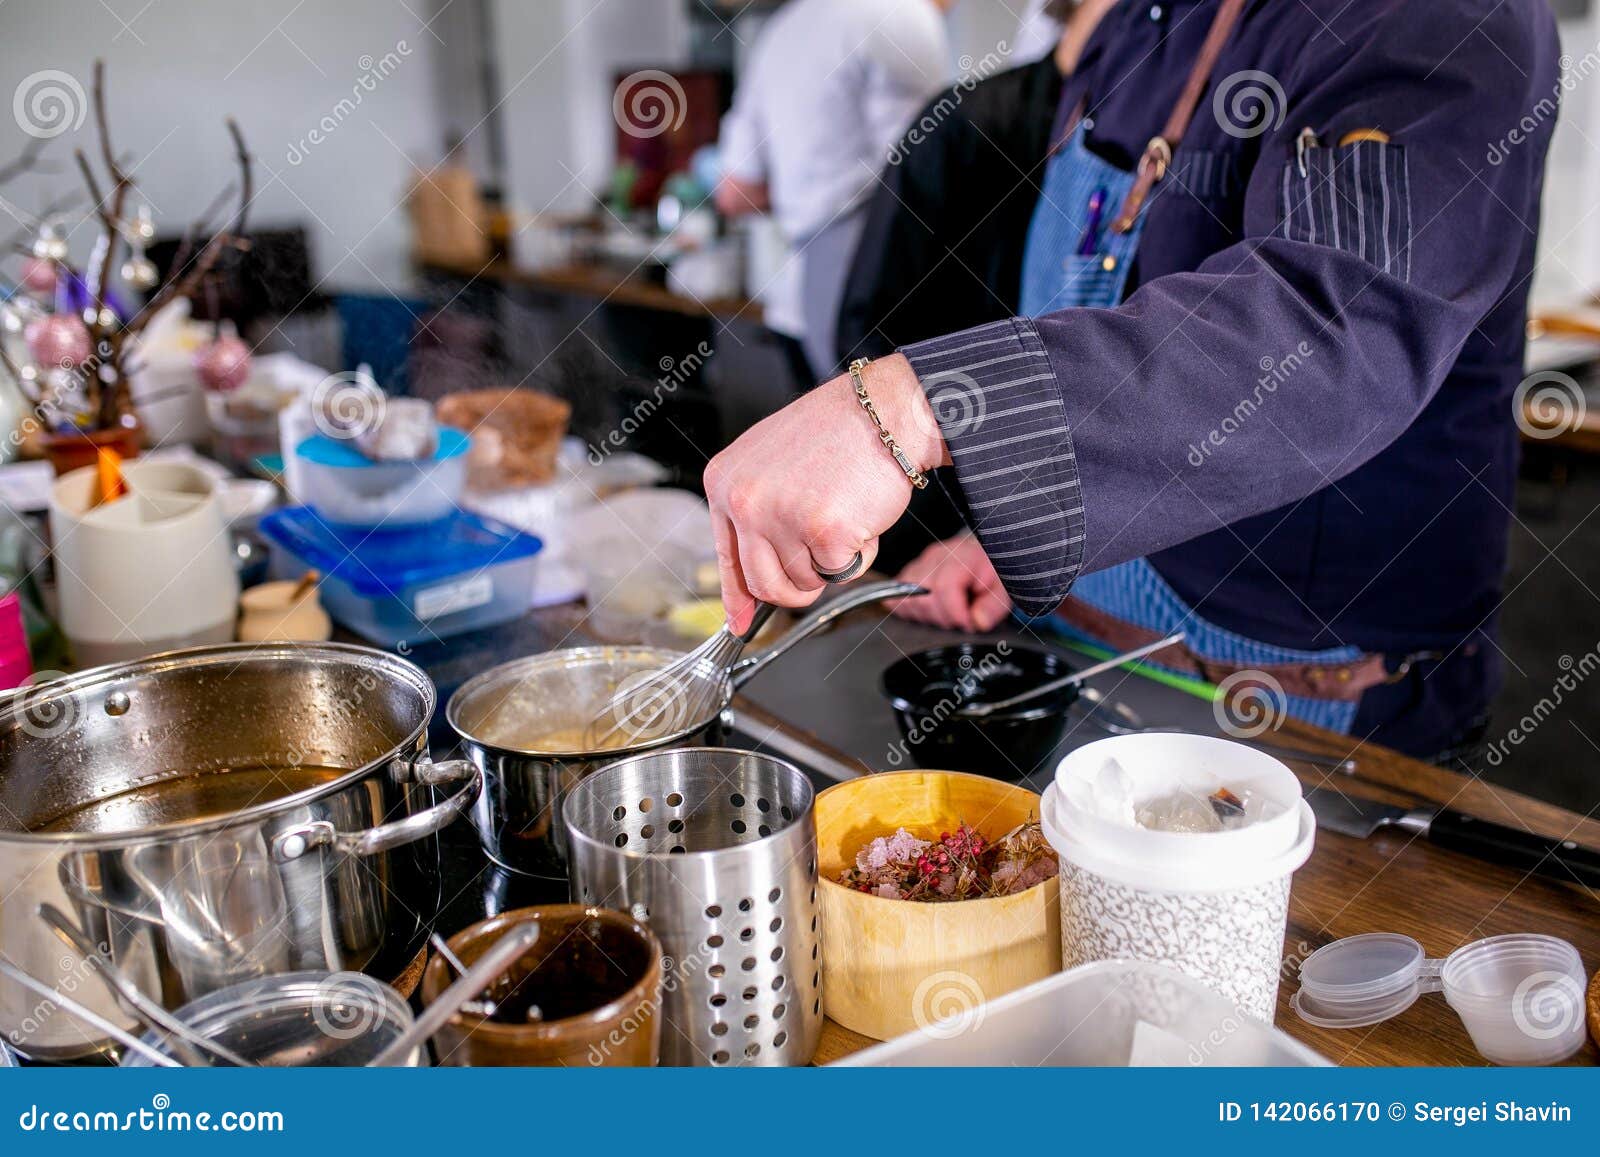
1391	882
1394	882
611	285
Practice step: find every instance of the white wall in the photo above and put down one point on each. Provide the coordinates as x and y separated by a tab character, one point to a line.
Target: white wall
557	60
979	27
278	67
281	67
1569	235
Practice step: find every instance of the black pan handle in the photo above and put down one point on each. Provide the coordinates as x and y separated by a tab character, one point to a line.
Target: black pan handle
1558	859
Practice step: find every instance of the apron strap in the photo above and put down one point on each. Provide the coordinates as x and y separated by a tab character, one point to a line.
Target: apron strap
1158	153
1343	682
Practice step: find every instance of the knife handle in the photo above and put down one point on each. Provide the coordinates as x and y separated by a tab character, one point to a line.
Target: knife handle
1557	859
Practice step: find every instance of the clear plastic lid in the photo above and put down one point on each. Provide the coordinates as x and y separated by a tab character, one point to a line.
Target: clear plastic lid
1362	980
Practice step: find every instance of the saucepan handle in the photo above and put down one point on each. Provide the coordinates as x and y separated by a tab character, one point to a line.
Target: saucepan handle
296	842
818	621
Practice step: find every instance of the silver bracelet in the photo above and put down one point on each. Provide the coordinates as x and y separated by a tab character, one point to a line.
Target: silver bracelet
917	477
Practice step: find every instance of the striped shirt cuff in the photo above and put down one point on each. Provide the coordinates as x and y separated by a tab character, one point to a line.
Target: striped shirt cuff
999	407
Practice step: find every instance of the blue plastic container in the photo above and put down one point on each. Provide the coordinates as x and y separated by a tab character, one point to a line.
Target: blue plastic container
409	586
351	491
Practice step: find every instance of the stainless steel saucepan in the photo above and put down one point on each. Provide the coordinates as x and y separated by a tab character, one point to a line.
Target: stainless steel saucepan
215	815
524	724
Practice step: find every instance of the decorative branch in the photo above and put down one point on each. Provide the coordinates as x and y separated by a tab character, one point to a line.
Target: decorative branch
103	328
111	218
106	386
186	282
24	162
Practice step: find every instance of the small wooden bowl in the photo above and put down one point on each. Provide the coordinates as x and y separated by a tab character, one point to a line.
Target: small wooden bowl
891	966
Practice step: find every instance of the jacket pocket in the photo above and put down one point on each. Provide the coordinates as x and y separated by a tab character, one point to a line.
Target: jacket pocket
1356	198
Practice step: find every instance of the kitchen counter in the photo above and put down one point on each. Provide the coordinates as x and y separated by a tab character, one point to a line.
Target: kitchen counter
825	694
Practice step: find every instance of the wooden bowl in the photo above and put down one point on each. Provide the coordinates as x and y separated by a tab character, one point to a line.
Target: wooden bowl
891	966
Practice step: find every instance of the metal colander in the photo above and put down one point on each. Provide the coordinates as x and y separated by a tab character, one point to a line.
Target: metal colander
717	851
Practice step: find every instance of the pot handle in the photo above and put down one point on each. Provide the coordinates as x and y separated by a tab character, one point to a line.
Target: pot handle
818	621
296	842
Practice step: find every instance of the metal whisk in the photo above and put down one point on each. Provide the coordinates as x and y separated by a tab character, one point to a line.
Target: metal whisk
656	703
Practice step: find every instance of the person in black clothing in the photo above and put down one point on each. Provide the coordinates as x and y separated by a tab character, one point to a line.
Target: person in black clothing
942	245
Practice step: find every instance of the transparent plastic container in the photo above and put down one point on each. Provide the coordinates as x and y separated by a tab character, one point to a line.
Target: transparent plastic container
1520	996
1115	1013
1157	764
349	489
299	1019
408	586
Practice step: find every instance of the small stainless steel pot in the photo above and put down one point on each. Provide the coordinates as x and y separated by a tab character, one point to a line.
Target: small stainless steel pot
501	713
297	864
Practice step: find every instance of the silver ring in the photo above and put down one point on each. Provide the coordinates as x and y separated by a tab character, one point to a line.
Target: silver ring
853	568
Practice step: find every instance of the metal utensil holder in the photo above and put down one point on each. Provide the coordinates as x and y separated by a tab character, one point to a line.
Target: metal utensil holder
716	850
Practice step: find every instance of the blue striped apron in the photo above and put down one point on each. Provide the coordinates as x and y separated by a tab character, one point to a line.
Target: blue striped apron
1075	260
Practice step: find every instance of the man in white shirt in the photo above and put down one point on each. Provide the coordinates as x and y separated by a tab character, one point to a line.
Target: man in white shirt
828	89
1039	30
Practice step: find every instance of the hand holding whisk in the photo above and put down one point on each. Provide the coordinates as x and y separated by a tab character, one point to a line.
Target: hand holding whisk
654	704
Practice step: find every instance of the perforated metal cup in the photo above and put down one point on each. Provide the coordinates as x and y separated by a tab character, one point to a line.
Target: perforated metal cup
716	850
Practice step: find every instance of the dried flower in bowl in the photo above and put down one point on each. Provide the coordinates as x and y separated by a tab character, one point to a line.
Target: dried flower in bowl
959	865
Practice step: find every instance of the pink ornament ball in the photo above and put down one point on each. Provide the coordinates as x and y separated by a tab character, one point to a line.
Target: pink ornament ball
38	275
57	341
223	365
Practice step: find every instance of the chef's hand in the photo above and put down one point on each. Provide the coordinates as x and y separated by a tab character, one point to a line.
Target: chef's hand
812	485
964	592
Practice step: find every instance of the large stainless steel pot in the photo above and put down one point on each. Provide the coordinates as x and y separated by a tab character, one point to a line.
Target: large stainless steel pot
500	713
308	766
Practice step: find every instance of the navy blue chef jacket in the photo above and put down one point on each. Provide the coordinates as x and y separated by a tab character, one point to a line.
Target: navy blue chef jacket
1365	500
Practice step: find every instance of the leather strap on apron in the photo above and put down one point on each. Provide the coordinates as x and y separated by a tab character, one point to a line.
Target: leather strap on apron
1158	153
1341	682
